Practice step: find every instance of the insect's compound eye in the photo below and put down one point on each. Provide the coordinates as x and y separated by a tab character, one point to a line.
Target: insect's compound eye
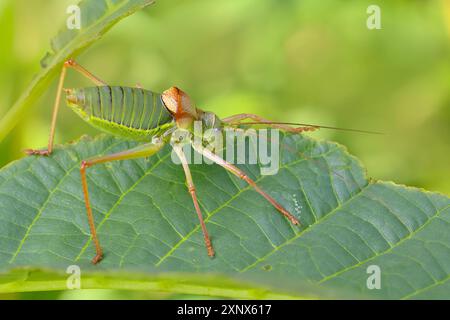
171	99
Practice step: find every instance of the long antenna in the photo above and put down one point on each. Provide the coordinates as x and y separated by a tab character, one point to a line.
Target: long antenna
310	125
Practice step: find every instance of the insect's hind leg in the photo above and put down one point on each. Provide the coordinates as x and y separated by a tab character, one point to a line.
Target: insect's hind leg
144	150
237	119
179	151
67	64
240	174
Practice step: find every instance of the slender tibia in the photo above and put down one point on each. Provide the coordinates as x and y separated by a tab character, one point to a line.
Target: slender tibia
98	248
145	150
237	119
240	174
191	187
67	64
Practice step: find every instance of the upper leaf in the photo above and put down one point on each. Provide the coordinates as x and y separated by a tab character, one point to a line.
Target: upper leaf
97	17
146	220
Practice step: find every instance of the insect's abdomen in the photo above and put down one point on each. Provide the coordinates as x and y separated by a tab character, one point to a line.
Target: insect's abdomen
131	107
120	110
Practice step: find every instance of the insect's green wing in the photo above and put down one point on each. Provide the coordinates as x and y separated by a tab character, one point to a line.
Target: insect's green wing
123	111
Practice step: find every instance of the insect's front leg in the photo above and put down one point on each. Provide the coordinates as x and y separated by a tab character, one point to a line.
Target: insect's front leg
191	187
67	64
145	150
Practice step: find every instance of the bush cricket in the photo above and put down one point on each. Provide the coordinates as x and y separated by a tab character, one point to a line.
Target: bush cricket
142	115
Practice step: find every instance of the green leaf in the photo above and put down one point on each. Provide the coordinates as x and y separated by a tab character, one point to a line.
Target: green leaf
147	225
29	280
97	17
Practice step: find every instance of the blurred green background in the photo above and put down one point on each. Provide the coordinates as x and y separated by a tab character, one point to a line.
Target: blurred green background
300	60
292	60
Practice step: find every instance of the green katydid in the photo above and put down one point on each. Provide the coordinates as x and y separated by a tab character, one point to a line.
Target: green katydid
139	114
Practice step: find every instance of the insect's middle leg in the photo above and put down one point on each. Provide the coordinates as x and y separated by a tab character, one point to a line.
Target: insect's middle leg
67	64
145	150
240	174
237	119
179	151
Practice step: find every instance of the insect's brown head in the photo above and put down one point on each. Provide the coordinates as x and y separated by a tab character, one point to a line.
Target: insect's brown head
180	105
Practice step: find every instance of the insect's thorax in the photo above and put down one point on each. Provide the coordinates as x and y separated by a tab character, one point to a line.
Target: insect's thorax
209	120
124	111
